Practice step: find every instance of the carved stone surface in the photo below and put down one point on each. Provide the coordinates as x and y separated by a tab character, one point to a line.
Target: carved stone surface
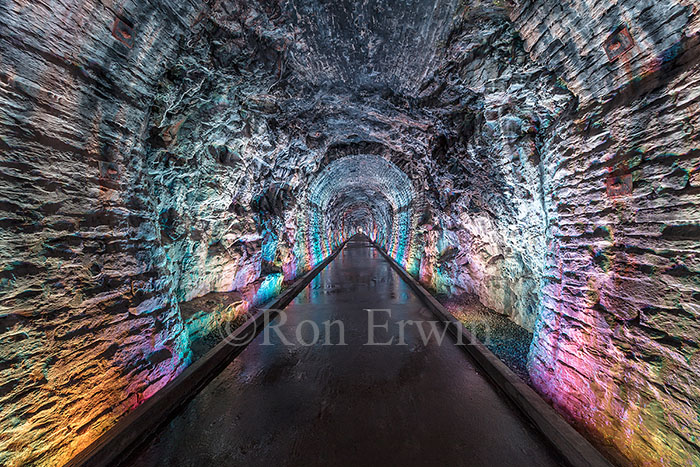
155	152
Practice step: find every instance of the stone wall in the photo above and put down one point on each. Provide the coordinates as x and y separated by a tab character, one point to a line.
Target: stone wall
87	328
485	235
616	343
569	38
158	152
138	171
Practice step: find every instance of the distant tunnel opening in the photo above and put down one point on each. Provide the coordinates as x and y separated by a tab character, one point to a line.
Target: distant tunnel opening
365	193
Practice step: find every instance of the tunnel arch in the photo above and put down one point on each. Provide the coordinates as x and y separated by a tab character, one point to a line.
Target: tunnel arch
362	193
158	152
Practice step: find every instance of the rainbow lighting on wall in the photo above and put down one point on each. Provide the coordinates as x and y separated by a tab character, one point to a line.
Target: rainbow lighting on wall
355	194
167	166
362	193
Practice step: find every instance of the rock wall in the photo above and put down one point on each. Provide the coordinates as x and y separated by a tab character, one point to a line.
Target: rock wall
485	234
576	40
88	327
138	172
212	170
616	343
542	157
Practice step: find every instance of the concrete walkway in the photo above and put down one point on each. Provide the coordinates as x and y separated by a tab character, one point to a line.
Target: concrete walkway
288	403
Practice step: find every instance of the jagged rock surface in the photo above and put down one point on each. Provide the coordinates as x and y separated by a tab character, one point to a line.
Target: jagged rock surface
136	178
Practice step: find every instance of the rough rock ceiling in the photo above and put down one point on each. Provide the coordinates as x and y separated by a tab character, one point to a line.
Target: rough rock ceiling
368	44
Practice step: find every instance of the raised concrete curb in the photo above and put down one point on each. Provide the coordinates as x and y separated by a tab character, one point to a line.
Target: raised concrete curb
115	445
565	440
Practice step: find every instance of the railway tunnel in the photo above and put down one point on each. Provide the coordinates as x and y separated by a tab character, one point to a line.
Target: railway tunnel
430	232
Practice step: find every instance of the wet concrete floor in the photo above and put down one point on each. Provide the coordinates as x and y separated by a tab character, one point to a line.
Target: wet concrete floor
283	402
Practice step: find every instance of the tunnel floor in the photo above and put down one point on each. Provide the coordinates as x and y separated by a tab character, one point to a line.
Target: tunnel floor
354	404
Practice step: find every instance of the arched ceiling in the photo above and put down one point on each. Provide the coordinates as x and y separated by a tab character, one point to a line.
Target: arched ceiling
360	208
360	191
370	44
